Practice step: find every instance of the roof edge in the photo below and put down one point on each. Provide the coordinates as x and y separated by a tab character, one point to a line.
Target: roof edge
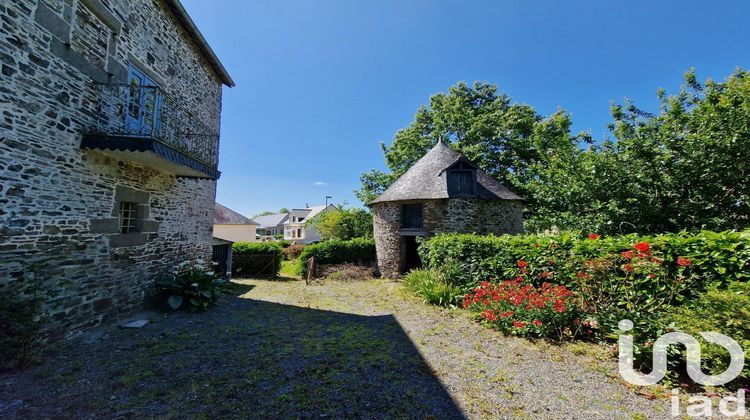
195	34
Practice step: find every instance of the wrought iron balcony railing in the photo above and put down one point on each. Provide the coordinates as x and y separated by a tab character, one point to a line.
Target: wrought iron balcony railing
147	112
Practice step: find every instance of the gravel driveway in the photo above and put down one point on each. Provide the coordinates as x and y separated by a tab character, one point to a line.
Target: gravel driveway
338	350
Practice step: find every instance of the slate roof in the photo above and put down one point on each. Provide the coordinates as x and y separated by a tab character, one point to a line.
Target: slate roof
225	216
271	220
308	212
426	180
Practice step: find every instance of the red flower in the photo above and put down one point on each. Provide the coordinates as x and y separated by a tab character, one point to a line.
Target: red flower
537	322
684	262
642	247
582	275
507	314
521	264
652	276
628	254
594	236
519	324
628	267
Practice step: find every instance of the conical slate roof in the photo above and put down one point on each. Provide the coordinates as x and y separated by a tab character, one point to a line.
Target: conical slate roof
426	180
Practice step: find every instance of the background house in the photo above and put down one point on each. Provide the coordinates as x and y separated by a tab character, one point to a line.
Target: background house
271	227
442	192
108	152
296	227
232	226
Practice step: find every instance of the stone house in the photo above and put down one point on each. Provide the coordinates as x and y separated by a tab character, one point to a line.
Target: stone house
442	192
109	134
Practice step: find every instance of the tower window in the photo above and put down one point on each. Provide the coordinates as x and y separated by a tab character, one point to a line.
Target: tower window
411	216
127	216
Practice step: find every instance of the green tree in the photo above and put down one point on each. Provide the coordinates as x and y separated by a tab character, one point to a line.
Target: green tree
505	139
344	224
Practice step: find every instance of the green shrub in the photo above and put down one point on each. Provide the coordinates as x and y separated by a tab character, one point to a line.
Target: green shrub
519	308
725	311
716	258
20	330
641	278
193	290
256	259
432	287
358	250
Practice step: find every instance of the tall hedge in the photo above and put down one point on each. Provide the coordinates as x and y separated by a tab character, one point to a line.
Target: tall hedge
256	259
716	257
338	252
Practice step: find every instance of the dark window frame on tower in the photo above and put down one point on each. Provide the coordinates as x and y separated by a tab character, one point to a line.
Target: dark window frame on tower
462	180
412	216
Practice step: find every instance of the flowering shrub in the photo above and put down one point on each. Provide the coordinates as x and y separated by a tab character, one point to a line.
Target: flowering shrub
519	308
713	258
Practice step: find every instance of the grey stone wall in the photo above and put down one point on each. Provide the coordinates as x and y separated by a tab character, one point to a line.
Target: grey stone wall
58	204
457	215
386	222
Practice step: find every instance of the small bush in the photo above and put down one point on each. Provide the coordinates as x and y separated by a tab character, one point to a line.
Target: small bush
432	287
357	250
292	252
725	311
256	259
519	308
193	290
20	330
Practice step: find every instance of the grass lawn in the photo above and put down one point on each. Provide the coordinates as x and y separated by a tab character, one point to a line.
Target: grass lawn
338	350
289	268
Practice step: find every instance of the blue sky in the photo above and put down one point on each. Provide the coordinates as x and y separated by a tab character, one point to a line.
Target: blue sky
321	83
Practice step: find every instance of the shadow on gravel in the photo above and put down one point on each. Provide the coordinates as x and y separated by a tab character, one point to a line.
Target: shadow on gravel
243	358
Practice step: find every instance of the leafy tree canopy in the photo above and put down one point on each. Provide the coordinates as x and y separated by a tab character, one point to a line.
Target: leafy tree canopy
344	224
686	167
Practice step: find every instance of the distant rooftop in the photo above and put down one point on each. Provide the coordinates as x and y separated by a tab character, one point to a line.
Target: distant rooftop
226	216
271	220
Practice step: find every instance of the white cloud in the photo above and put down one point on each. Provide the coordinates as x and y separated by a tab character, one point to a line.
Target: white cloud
320	183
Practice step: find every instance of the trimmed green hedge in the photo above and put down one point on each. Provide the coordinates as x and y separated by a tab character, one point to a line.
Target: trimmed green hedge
256	259
717	257
338	252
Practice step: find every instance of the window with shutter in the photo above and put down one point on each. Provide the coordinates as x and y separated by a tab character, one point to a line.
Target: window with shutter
411	216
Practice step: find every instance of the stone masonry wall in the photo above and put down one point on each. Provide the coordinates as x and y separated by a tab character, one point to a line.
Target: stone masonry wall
457	215
386	222
54	198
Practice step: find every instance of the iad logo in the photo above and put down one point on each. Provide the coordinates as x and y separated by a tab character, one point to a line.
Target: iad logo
703	406
737	357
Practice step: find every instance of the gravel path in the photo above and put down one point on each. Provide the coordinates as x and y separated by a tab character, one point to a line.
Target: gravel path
339	350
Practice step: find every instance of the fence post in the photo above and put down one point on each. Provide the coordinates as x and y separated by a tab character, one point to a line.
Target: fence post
310	270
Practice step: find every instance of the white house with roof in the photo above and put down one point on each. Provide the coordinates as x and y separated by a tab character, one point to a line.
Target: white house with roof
232	226
296	228
271	226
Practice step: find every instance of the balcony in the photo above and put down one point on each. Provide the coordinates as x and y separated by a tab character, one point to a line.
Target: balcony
144	125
